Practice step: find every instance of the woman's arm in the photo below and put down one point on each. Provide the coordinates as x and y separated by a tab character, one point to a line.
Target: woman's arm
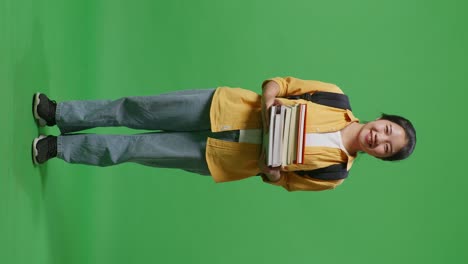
293	182
293	86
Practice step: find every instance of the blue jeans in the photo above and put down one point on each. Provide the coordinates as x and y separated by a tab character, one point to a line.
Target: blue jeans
183	118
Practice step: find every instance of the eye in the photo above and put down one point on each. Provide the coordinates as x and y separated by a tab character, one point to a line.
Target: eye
386	148
387	129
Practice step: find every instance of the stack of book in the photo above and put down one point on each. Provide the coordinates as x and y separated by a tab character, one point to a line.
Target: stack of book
286	138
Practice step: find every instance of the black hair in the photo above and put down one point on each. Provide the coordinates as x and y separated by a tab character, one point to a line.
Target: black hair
410	132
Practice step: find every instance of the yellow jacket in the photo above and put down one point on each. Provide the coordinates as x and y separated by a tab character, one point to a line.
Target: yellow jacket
236	109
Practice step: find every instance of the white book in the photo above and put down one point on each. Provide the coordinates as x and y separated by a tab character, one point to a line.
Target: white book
277	136
269	144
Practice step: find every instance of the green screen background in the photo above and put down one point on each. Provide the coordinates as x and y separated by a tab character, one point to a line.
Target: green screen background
406	57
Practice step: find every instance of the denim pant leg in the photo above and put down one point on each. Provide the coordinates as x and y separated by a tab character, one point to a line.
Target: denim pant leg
182	150
176	111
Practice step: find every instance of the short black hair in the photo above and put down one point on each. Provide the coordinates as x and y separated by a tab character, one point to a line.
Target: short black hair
410	132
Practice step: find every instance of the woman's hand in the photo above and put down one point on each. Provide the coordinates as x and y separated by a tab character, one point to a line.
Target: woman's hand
269	92
272	173
266	105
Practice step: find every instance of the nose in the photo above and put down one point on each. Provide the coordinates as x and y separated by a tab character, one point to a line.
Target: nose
381	138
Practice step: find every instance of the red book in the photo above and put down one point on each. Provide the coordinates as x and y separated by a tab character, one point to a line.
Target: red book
301	133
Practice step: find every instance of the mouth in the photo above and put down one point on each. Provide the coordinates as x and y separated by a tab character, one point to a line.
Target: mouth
369	139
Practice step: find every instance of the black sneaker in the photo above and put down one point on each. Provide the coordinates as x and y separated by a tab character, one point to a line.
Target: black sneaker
44	110
44	148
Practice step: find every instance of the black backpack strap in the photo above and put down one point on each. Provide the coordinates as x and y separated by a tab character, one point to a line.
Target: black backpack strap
326	98
330	173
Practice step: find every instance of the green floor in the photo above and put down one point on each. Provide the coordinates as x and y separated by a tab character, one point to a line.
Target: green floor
403	56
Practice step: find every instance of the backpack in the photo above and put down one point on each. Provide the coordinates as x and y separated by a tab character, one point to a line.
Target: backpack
336	171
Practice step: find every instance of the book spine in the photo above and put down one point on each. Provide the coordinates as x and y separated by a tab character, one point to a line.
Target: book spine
299	140
304	132
300	133
270	136
277	137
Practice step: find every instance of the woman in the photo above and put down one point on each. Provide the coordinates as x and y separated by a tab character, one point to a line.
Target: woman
218	132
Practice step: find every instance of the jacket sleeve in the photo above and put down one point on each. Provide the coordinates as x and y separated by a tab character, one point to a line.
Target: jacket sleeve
293	86
293	182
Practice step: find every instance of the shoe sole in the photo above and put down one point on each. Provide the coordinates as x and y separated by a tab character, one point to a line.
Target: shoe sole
34	150
41	122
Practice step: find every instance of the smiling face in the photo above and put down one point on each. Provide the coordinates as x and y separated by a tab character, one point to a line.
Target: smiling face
382	138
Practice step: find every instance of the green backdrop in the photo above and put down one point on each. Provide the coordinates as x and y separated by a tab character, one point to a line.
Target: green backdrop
406	57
